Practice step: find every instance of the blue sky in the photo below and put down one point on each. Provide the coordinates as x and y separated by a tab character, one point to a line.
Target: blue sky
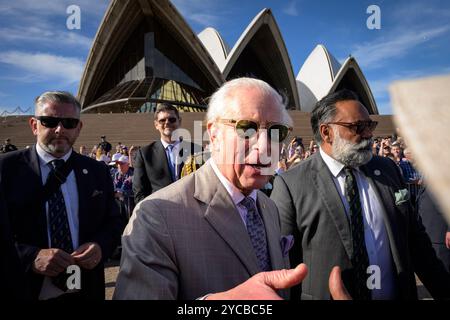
39	53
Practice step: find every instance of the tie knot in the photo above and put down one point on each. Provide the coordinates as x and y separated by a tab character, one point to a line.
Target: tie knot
57	164
348	171
248	203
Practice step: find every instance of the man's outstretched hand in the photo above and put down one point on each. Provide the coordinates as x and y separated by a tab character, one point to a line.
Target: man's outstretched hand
263	286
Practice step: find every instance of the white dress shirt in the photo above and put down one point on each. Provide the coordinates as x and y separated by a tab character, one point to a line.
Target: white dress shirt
375	235
175	153
234	192
70	195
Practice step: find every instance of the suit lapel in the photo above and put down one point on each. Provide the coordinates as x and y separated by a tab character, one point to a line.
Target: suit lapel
30	159
222	215
82	176
386	196
160	153
272	232
323	182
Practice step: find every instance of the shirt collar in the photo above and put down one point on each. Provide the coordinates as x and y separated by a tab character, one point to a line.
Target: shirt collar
165	144
332	164
45	157
234	192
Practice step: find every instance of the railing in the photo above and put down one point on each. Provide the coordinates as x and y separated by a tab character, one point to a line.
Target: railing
16	112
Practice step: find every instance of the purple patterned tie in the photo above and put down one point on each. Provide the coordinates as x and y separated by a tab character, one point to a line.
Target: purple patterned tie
257	233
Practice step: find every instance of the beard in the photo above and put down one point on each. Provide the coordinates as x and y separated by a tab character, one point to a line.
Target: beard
351	154
57	149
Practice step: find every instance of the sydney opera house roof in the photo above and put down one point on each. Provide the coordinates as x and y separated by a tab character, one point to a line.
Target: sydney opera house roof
145	53
322	74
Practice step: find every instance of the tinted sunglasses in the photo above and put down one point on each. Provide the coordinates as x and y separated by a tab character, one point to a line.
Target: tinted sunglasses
52	122
246	129
170	119
358	127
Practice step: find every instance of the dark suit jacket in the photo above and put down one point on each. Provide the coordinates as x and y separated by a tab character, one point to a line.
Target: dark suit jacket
432	216
312	210
151	168
99	219
11	272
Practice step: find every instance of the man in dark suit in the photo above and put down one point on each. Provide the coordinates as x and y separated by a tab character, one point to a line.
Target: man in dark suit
8	146
159	164
348	208
60	204
11	271
105	145
435	225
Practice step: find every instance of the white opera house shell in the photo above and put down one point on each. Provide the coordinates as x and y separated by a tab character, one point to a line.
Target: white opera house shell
145	53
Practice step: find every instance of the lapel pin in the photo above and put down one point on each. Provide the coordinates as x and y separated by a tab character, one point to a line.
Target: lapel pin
377	172
264	205
85	171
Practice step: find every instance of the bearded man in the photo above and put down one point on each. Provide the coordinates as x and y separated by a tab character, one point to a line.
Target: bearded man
348	208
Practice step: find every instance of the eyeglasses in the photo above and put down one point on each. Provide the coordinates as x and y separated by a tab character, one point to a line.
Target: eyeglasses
358	127
247	128
52	122
170	119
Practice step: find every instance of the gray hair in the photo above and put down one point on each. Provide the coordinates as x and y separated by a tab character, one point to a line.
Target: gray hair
56	97
219	109
325	110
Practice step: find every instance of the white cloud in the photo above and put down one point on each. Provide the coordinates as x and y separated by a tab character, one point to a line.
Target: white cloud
291	9
51	7
4	94
371	55
204	19
45	67
203	13
44	22
45	36
380	86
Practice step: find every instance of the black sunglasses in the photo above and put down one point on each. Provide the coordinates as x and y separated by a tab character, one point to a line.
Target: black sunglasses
170	119
52	122
247	128
358	127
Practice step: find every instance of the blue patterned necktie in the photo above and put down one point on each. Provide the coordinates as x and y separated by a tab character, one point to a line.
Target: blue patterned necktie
360	259
171	161
257	233
58	222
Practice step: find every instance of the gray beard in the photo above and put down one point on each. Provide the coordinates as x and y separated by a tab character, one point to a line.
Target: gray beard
351	154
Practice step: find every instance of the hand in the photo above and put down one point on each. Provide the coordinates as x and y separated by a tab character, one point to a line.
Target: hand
262	285
88	255
51	262
336	286
447	240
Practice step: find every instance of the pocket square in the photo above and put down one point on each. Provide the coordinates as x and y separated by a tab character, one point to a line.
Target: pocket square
96	193
286	244
401	196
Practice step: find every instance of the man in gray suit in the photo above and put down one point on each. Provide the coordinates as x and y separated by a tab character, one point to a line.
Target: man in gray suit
348	208
212	234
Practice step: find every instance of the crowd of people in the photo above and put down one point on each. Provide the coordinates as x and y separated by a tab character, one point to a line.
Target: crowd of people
316	222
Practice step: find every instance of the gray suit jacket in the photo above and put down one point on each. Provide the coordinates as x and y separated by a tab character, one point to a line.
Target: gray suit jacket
312	210
188	240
